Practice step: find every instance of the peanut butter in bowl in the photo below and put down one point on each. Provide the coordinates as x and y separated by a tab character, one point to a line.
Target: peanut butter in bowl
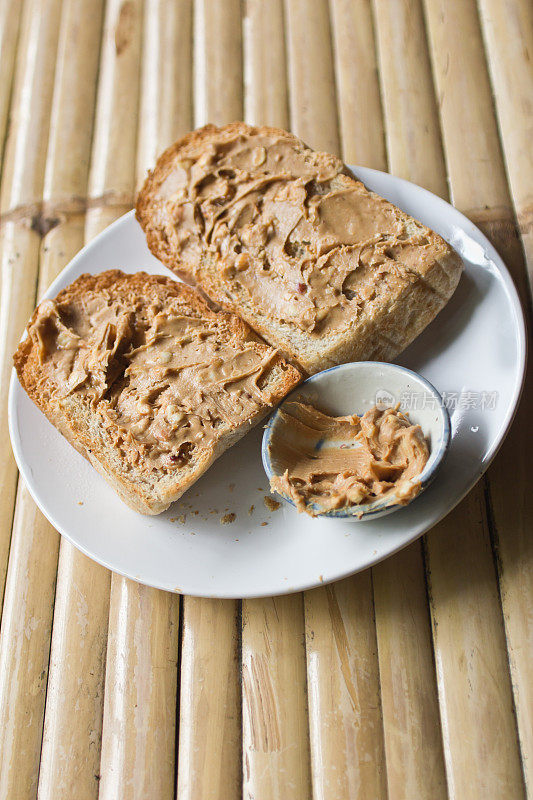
340	462
327	462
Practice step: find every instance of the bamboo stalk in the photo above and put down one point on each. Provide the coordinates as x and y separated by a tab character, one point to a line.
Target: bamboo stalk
275	741
411	114
346	735
508	31
479	188
166	73
209	763
25	647
358	99
70	756
458	551
22	184
71	745
311	74
512	523
411	656
218	90
275	729
410	711
29	600
28	605
480	747
19	254
138	740
477	180
415	761
265	64
343	687
10	13
112	176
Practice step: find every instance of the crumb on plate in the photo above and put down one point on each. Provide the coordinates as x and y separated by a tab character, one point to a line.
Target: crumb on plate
270	503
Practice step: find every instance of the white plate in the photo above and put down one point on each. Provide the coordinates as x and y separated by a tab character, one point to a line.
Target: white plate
475	348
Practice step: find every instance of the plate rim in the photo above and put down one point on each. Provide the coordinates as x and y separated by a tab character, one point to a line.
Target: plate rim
522	351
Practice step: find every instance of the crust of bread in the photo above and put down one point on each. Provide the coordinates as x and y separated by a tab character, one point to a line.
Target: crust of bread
75	418
380	336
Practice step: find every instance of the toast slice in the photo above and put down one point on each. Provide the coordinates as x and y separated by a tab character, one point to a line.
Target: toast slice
146	381
286	237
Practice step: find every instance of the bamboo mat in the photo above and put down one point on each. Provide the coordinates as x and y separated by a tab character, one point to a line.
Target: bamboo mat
411	680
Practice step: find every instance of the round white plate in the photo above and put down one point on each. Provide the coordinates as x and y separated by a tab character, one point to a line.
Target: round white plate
473	353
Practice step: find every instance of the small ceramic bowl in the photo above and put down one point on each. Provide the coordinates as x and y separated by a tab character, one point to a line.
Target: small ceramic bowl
354	389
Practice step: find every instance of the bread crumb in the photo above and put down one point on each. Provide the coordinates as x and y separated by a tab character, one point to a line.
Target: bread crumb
195	513
321	578
251	510
228	518
231	487
263	524
270	503
80	502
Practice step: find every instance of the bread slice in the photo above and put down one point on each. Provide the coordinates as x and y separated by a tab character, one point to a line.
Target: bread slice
146	381
286	237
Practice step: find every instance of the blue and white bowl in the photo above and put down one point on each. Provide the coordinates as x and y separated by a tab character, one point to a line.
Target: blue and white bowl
354	389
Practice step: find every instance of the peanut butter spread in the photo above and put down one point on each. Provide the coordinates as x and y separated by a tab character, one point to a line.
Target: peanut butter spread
301	241
337	462
164	377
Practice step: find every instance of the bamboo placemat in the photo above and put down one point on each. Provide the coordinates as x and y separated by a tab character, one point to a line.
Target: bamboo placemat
410	680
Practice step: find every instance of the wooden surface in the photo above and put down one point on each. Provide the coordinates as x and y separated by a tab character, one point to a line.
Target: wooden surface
412	680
